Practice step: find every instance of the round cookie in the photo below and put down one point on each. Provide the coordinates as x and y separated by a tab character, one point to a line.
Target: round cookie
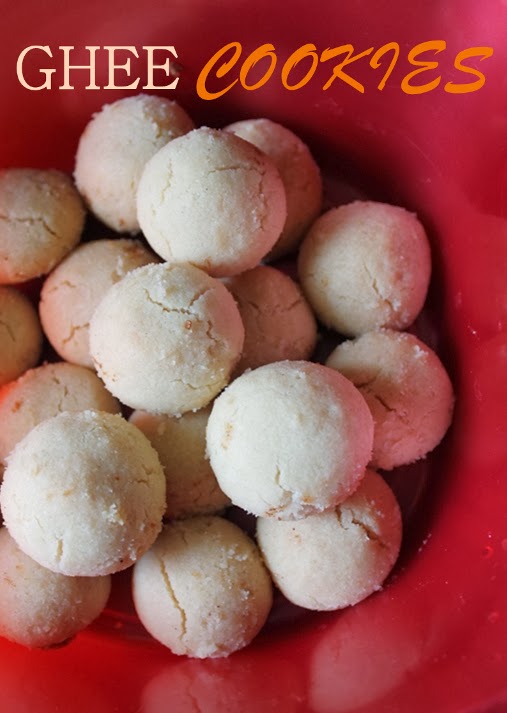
180	442
84	493
20	334
407	389
166	338
212	199
42	220
299	172
337	558
278	321
75	287
113	149
365	265
202	589
44	392
40	608
289	439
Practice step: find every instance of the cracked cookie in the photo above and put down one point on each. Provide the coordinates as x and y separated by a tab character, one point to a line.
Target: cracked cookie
299	172
279	323
20	334
365	265
212	199
114	148
180	442
41	220
72	291
84	493
289	439
166	338
46	391
202	589
407	389
40	608
337	558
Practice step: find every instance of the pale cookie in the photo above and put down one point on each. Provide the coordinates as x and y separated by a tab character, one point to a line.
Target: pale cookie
44	392
299	172
212	199
407	389
365	265
180	442
113	149
40	608
166	338
289	439
41	219
202	590
20	334
339	557
278	321
75	287
84	493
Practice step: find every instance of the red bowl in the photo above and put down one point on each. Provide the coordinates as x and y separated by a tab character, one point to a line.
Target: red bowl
427	131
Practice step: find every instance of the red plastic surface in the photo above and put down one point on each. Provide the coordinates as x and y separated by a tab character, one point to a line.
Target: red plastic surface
435	639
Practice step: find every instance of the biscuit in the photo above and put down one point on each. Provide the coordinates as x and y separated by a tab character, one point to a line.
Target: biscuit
20	334
279	323
166	338
74	288
113	149
202	590
42	219
83	494
289	439
44	392
180	442
407	389
365	265
334	559
212	199
40	608
299	172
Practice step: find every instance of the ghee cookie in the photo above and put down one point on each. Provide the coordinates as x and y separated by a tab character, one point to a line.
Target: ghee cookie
72	291
44	392
202	590
42	219
166	338
365	265
337	558
40	608
407	389
299	172
113	149
83	493
20	334
289	439
180	442
279	323
212	199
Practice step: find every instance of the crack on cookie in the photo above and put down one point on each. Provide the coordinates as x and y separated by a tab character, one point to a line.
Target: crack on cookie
172	595
9	330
